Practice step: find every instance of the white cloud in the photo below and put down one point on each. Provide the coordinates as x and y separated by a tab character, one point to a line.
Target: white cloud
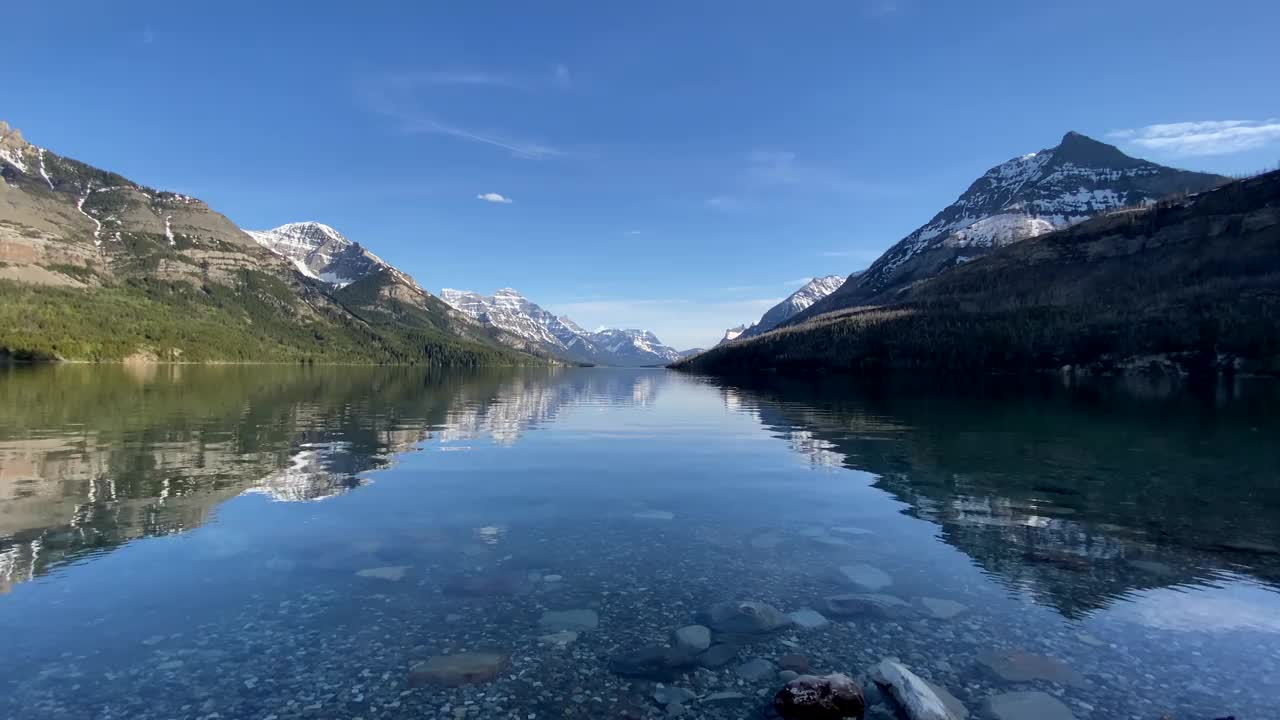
1211	137
494	198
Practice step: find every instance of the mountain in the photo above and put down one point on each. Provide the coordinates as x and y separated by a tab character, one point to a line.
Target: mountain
511	312
1025	197
320	252
797	302
691	352
94	266
1188	284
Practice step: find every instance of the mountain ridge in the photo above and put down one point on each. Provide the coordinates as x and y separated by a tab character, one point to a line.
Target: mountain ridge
1187	285
510	311
1023	197
94	266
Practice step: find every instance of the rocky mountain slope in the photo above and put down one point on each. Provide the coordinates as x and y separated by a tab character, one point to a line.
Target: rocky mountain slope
1025	197
511	312
94	266
800	300
1190	284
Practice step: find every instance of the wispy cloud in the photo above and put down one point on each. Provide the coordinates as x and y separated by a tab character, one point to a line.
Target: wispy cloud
860	254
1211	137
148	35
633	232
410	100
772	170
494	197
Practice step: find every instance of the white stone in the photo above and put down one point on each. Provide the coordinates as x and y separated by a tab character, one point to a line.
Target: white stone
917	697
866	576
807	619
390	572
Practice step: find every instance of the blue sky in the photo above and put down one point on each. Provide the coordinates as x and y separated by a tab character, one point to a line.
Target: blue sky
673	165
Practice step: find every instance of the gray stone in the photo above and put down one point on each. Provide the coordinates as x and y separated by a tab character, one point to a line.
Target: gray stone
576	620
459	669
744	616
807	619
392	572
787	676
1018	666
653	662
940	609
755	669
693	638
564	637
669	695
866	577
718	655
917	698
878	605
1030	705
724	696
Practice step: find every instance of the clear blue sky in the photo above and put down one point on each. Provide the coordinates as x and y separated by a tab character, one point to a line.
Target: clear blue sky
673	165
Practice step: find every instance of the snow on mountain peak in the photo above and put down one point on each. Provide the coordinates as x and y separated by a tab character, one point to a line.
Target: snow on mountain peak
321	252
513	313
798	301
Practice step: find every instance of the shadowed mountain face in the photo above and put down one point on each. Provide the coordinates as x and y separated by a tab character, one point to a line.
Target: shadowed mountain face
1080	496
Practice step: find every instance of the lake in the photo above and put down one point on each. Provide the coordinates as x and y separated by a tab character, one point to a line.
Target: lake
274	542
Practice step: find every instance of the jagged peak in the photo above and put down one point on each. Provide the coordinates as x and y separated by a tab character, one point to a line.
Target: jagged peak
309	228
1080	148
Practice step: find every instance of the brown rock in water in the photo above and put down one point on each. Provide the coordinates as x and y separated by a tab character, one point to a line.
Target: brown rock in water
469	668
809	697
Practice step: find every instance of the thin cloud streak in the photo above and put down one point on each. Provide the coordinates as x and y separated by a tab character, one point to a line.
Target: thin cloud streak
494	197
1211	137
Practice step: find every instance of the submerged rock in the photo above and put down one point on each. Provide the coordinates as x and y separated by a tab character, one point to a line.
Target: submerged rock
718	655
692	638
876	604
467	668
755	669
487	585
918	699
562	638
1018	666
576	620
654	515
809	697
1031	705
807	619
652	662
941	609
794	661
391	572
669	695
744	617
866	576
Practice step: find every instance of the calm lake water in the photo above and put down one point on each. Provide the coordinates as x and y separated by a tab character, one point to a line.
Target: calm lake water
266	542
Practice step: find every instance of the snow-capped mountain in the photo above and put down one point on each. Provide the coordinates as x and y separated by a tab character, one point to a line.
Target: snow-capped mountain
318	251
1022	198
513	313
800	300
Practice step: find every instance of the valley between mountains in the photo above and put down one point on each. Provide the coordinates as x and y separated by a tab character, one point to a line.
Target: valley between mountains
1075	255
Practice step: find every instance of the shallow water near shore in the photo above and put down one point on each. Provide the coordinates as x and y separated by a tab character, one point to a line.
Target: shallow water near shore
274	542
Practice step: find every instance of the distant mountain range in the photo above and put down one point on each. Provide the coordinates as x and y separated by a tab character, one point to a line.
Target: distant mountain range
94	266
511	312
800	300
1027	196
1187	284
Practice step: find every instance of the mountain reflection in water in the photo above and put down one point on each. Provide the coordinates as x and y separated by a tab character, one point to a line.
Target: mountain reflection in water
1076	495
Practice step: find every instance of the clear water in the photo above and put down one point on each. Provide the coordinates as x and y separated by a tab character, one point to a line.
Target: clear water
185	542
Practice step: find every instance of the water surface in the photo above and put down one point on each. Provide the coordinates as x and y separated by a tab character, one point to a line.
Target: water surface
265	541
